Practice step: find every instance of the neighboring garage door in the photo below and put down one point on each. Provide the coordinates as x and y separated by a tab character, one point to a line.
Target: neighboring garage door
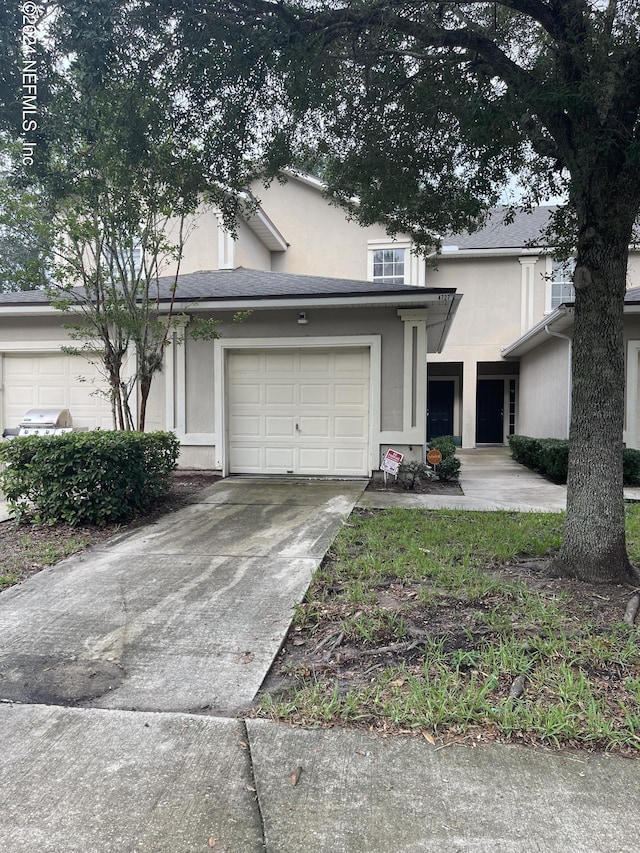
299	412
56	381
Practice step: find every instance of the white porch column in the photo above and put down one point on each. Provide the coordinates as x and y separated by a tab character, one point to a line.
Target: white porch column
469	402
527	282
414	392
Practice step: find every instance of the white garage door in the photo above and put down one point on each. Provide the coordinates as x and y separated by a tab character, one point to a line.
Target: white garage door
299	412
54	381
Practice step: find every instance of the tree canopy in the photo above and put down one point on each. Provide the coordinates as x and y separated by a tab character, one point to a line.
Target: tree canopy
420	111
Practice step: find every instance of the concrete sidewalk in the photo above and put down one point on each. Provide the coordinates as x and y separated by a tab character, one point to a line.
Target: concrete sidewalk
76	780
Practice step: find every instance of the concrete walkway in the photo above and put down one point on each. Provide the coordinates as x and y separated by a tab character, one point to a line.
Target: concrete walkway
185	616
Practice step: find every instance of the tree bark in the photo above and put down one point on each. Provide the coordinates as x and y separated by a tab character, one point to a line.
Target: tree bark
594	545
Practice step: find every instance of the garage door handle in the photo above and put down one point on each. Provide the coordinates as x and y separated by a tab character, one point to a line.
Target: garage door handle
298	427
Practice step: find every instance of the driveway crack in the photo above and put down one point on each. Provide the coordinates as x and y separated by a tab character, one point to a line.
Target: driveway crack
253	782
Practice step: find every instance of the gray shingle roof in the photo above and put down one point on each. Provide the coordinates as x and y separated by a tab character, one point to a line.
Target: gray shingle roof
246	284
525	230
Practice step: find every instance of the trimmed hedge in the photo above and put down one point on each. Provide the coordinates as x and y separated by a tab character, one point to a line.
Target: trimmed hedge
550	457
87	477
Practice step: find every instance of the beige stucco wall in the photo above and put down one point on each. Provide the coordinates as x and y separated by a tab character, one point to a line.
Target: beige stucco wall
249	251
321	239
201	246
496	307
544	391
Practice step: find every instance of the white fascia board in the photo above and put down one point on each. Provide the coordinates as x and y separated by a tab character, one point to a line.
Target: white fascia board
364	301
443	254
561	317
266	231
29	311
305	178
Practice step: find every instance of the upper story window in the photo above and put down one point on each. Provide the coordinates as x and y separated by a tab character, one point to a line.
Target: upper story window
562	282
389	266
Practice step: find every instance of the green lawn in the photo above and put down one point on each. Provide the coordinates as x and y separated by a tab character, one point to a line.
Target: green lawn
443	623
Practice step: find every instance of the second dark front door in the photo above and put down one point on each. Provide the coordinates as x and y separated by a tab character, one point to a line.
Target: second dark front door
490	412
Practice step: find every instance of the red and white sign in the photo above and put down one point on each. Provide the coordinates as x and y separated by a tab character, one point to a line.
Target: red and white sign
391	462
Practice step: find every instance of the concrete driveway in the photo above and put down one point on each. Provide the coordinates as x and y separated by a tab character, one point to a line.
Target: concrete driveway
186	614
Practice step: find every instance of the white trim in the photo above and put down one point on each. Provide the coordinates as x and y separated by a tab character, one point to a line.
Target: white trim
222	347
527	289
414	392
315	301
456	252
631	432
34	346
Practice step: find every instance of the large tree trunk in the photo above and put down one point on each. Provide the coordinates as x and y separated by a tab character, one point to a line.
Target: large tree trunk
594	545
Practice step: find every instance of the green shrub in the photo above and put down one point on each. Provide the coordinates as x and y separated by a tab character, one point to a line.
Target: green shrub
553	458
631	466
87	477
448	468
411	473
550	457
525	450
445	444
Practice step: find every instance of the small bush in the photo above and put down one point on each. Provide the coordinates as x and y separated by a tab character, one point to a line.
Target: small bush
449	467
445	444
411	473
87	477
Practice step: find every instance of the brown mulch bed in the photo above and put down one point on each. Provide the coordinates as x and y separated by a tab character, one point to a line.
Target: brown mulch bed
421	487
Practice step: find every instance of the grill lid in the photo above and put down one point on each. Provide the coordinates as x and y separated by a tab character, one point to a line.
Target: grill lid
47	418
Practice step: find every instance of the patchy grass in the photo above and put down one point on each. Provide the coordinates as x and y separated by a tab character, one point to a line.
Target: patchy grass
445	623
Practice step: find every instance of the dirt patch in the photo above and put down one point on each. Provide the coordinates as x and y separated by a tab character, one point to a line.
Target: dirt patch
322	652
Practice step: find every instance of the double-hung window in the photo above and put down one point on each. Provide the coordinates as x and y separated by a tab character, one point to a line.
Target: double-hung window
388	266
562	282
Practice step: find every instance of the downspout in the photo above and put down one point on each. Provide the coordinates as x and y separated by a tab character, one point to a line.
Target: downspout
550	331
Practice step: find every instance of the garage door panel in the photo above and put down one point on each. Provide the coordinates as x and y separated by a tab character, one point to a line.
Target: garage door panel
279	363
318	427
350	395
345	460
246	456
316	459
349	427
282	394
249	394
275	427
315	363
277	458
246	427
315	395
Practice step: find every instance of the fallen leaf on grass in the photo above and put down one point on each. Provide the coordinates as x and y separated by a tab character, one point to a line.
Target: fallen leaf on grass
429	737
